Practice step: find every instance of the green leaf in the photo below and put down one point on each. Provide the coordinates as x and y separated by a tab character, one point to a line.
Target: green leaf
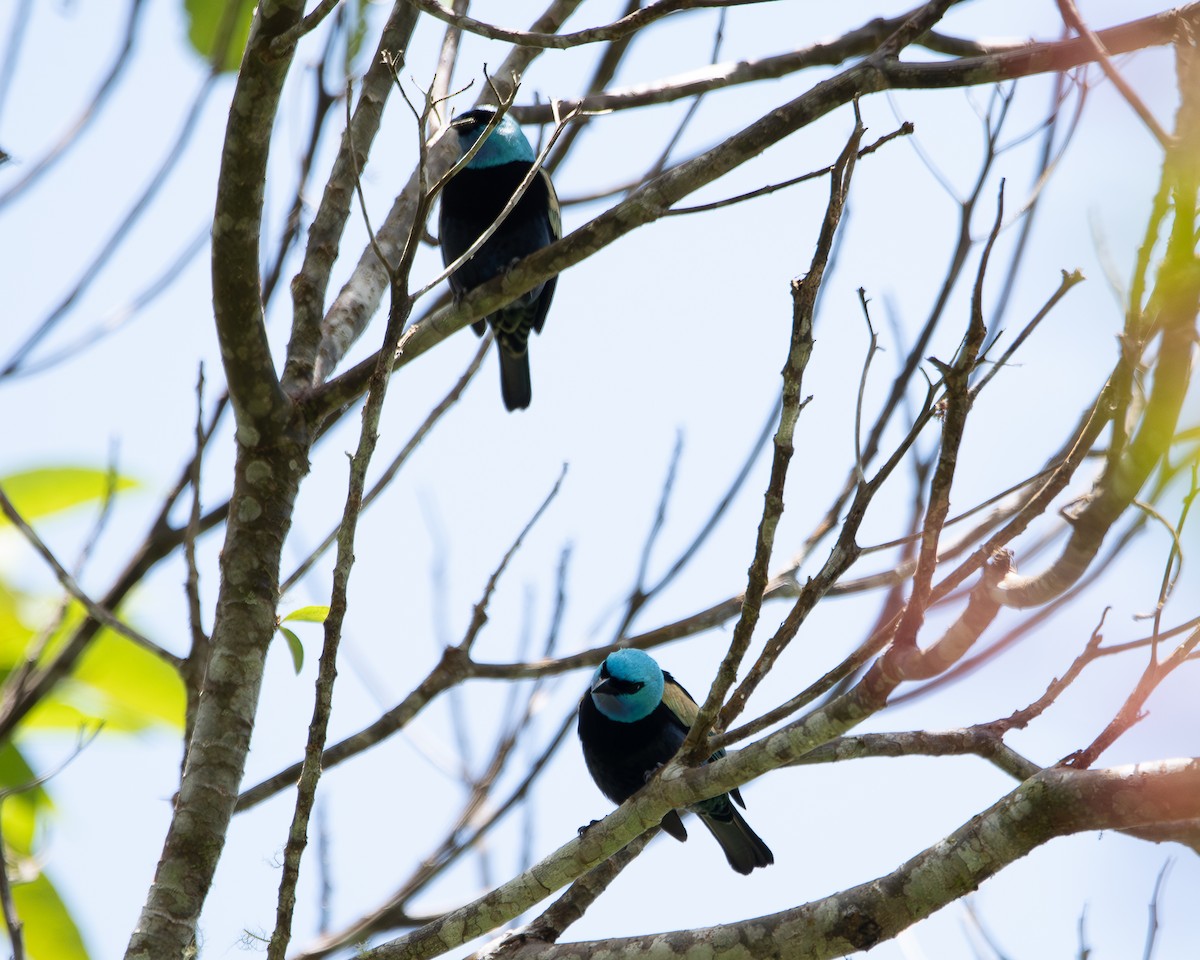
50	931
134	678
115	682
315	614
39	493
225	22
74	706
295	646
19	812
14	633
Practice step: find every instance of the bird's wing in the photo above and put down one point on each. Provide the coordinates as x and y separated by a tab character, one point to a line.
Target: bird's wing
552	205
543	303
554	215
680	703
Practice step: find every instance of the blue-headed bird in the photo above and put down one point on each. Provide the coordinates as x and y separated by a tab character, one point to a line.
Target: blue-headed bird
632	720
471	202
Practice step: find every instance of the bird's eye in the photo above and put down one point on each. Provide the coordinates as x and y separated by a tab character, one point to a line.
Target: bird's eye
637	686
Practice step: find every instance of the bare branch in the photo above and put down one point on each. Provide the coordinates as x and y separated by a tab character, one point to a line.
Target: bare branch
904	130
1069	280
956	378
1152	924
282	45
272	456
309	337
454	667
654	199
67	582
107	251
1131	710
91	112
804	300
625	27
1070	15
1177	302
443	406
573	904
1065	801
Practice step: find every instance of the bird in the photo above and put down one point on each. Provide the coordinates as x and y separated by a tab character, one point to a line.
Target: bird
632	720
470	203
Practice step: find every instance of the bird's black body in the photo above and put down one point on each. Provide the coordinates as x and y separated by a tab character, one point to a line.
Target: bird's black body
620	755
471	202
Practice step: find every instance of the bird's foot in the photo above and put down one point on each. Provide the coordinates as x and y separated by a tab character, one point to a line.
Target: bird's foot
651	772
587	826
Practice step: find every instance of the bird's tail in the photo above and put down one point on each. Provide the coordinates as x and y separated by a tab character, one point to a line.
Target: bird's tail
744	849
514	379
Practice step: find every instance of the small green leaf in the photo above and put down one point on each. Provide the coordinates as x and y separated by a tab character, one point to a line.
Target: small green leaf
49	929
225	22
296	648
39	493
308	615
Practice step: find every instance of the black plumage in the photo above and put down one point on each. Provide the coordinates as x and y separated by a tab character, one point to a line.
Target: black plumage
621	753
471	202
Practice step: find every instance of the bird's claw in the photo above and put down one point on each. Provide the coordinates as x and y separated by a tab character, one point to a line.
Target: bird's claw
587	826
651	772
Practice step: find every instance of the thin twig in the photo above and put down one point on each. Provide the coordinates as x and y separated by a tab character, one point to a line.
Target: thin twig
572	905
1070	15
453	395
617	30
310	772
1069	280
905	129
282	44
957	403
528	179
73	134
1152	923
121	315
1175	556
872	347
804	297
68	583
1131	712
18	28
454	667
110	246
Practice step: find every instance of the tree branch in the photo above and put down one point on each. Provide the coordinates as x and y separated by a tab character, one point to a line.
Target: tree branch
619	30
272	456
1052	803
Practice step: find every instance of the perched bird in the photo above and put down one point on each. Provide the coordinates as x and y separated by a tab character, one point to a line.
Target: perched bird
471	202
632	720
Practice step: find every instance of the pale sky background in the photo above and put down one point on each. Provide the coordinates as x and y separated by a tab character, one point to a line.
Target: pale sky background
680	327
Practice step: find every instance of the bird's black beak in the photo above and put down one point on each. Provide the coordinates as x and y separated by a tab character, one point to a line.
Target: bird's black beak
605	685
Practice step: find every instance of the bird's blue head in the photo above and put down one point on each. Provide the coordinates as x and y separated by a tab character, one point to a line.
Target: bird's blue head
627	686
505	144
